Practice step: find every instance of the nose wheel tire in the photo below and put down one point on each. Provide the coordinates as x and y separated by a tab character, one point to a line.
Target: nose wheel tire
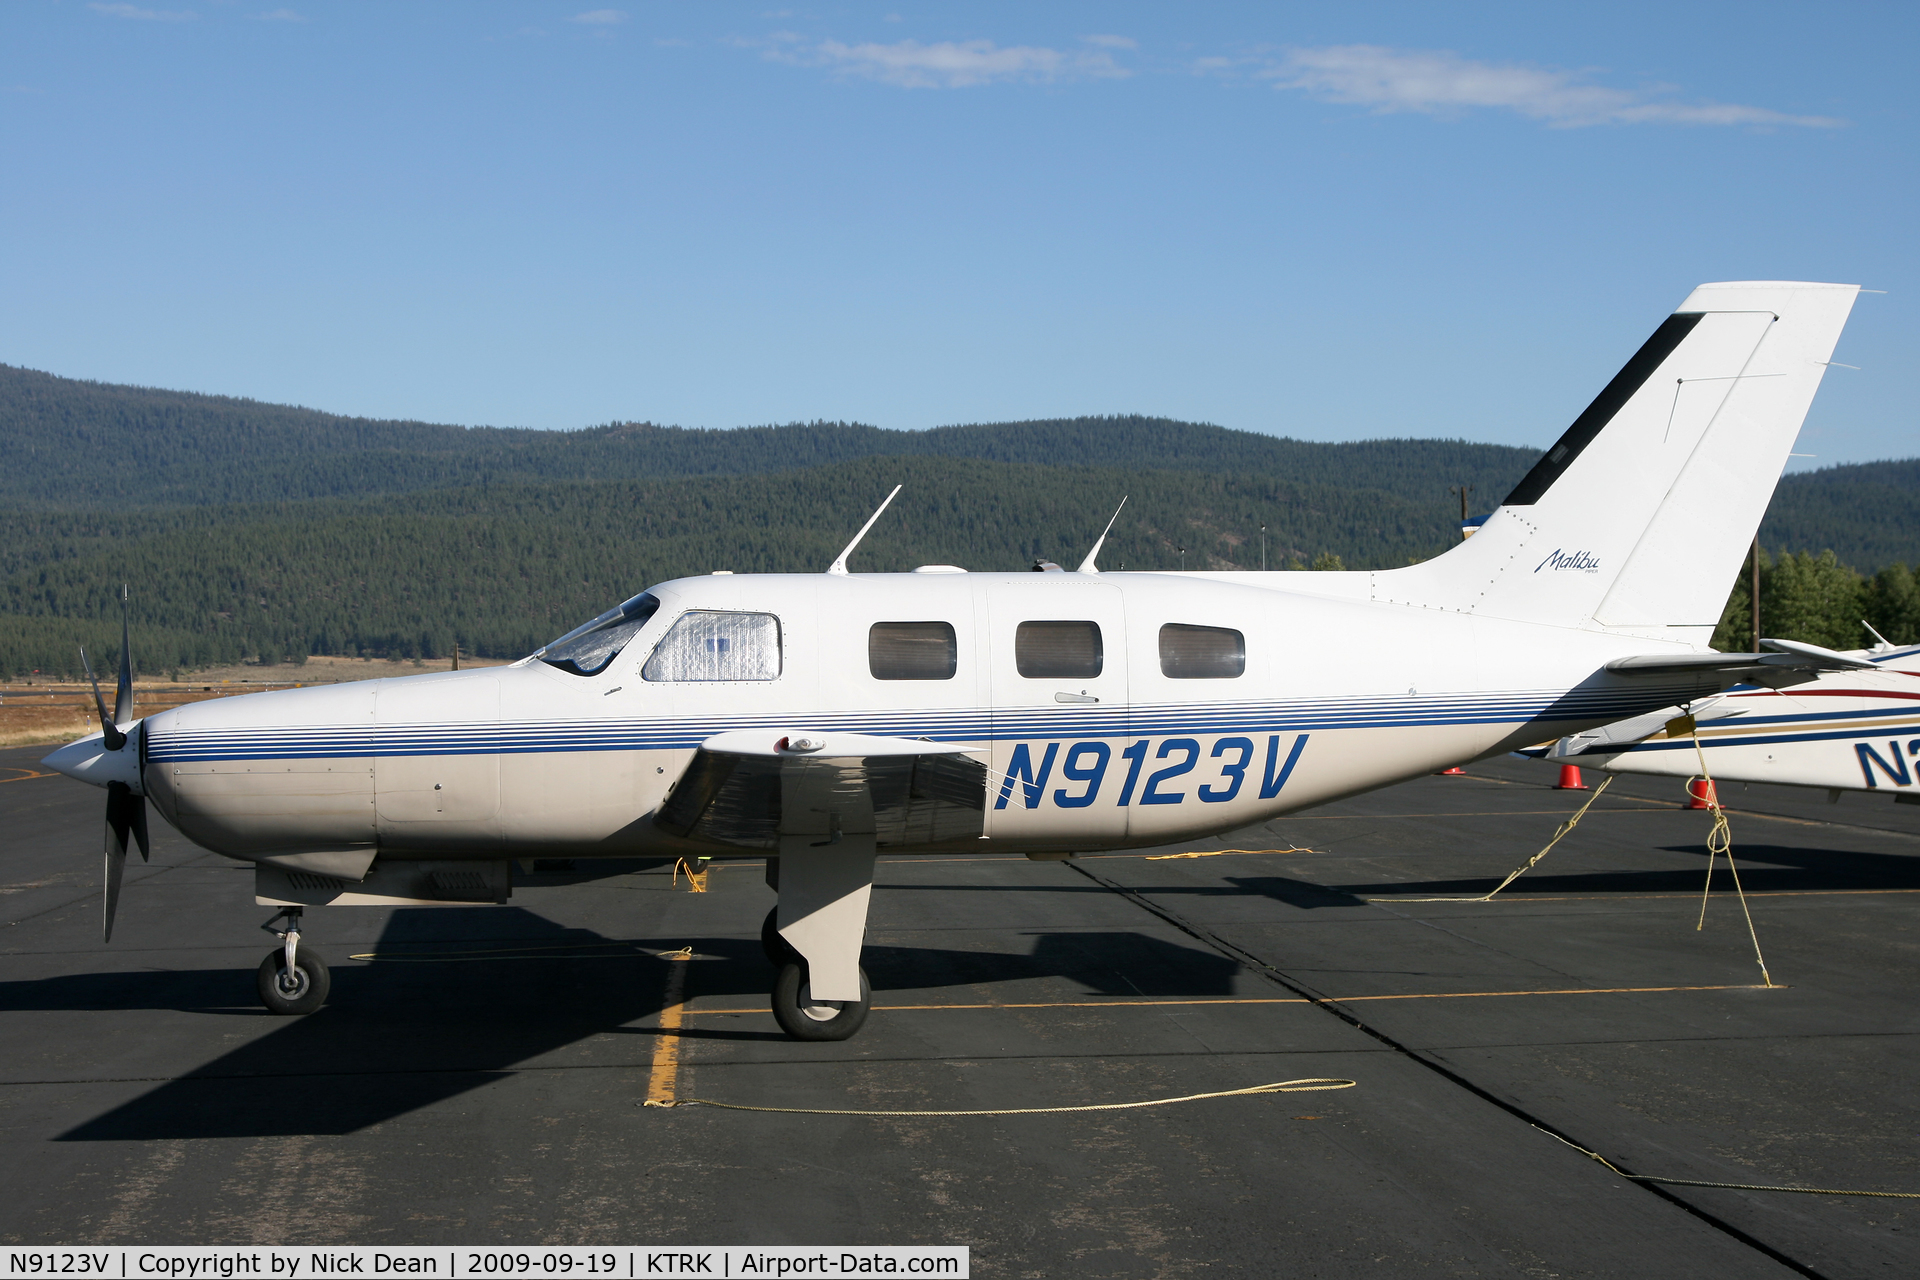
804	1018
779	951
301	990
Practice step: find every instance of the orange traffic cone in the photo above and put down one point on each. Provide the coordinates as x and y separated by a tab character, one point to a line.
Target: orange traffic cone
1701	792
1569	779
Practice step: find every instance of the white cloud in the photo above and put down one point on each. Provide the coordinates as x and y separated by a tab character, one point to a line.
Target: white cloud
1436	82
278	15
952	64
600	18
143	15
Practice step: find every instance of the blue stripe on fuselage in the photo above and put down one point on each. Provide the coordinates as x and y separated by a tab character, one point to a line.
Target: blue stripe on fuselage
972	725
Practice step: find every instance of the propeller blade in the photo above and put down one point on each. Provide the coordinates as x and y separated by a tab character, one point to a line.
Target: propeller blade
109	731
123	695
122	805
138	813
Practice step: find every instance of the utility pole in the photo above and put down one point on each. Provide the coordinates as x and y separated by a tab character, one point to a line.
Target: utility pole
1753	591
1263	548
1463	490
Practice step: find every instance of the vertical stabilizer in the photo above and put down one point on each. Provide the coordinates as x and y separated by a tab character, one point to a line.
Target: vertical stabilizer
1637	518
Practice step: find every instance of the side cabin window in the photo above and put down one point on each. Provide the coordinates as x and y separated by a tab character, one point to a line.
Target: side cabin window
1201	653
1058	650
707	644
912	651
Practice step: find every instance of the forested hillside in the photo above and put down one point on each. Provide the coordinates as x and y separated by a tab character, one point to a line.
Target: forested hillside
503	569
251	530
66	443
1868	515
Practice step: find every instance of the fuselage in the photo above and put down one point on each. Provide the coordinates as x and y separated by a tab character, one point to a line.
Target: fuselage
1111	710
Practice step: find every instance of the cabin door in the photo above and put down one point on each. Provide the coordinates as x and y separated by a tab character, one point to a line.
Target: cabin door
1056	648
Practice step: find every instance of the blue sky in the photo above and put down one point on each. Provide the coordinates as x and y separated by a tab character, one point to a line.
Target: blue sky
1331	221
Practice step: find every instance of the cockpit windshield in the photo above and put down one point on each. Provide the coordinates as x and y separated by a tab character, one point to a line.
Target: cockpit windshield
586	650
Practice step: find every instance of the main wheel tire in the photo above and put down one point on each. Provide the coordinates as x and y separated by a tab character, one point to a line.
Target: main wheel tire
302	991
779	951
803	1018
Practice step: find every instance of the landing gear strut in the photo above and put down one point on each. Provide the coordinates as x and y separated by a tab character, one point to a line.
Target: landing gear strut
778	950
292	981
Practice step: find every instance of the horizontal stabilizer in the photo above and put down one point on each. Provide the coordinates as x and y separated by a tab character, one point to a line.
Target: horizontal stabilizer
1789	663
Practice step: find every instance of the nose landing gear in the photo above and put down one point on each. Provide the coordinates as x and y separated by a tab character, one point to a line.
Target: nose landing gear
292	981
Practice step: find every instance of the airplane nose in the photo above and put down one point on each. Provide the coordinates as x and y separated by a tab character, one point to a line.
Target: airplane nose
89	761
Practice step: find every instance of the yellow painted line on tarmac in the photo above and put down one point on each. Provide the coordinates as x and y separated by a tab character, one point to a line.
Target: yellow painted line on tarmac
1816	822
1051	1004
1647	897
1216	853
27	776
666	1047
1181	1004
1645	805
1569	991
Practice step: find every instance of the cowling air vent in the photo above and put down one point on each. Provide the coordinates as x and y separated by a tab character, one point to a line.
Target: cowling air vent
316	883
461	886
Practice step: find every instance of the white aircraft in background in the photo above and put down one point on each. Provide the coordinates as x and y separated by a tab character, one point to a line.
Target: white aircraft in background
818	719
1854	729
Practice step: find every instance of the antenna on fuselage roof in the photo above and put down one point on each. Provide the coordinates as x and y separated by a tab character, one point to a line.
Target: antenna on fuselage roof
839	565
1087	565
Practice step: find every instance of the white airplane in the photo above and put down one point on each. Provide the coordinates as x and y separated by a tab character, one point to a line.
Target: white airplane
818	719
1854	729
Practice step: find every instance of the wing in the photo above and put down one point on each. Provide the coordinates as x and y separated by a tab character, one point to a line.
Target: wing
747	789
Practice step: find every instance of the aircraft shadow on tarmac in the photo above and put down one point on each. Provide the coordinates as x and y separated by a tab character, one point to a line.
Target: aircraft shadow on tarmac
1116	963
1763	868
398	1035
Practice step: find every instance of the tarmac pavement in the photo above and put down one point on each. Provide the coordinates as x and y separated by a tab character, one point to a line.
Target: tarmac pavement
480	1080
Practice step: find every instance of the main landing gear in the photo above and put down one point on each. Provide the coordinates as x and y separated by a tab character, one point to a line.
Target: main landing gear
795	1008
814	936
292	981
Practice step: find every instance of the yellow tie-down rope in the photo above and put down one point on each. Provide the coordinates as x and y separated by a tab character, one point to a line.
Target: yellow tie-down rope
1719	839
1530	863
1215	853
546	952
1728	1186
1283	1086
